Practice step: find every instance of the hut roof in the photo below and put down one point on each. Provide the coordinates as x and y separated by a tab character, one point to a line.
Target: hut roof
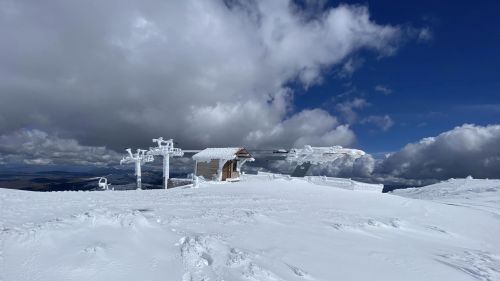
226	153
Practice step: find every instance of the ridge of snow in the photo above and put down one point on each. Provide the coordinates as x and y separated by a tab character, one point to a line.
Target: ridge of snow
478	194
452	188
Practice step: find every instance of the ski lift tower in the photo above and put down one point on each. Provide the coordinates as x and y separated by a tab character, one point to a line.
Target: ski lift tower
166	149
139	158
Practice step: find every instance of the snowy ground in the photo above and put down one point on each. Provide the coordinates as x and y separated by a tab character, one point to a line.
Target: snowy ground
257	229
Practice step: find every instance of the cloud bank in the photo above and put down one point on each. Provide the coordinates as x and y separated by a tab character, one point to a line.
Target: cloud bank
35	147
202	72
462	151
465	150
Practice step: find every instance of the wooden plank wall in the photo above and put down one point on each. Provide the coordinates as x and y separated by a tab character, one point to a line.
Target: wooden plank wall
234	174
208	170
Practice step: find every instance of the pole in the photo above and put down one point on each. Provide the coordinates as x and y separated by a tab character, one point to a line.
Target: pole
138	173
166	169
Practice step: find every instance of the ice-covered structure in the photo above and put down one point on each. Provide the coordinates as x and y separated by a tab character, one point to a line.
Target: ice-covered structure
166	149
221	164
103	183
308	155
139	158
317	155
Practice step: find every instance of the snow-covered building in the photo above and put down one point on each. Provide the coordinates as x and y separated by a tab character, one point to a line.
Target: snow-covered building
221	164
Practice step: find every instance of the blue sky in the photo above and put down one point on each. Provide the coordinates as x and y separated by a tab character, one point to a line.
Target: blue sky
451	79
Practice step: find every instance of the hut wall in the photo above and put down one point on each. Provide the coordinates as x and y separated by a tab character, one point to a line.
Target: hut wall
234	172
208	170
229	170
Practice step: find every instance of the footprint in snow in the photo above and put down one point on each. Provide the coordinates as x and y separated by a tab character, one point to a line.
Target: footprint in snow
299	272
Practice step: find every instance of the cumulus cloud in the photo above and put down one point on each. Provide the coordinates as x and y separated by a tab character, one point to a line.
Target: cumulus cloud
343	166
462	151
314	127
346	167
348	109
465	150
210	72
35	147
384	122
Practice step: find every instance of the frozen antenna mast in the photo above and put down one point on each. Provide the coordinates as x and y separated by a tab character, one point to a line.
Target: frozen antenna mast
166	149
139	158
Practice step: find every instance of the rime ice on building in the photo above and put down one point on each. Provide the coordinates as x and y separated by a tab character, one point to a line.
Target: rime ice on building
308	155
221	164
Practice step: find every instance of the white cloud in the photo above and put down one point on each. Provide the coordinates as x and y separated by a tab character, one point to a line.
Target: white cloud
465	150
347	109
314	127
346	167
202	72
350	66
35	147
425	34
383	89
385	122
462	151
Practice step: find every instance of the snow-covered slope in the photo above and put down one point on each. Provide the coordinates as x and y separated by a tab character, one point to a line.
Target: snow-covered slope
256	229
482	194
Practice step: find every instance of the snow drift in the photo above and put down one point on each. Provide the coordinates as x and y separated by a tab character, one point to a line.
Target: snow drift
256	229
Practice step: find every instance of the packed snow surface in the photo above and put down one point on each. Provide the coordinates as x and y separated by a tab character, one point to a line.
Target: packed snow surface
255	229
207	154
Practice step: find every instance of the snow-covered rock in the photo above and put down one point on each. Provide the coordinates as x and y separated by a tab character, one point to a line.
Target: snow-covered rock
258	229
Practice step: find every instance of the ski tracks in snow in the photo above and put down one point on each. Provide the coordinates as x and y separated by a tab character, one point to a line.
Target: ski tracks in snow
480	265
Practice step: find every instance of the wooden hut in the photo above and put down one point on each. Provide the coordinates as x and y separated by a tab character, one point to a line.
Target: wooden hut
221	164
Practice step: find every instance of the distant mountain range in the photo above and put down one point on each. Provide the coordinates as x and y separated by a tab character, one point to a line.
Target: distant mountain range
56	180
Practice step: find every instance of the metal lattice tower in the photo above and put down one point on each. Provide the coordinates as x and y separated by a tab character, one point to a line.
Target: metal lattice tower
166	149
139	158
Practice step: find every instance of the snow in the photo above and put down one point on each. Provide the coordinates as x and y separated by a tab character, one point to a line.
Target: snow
454	189
346	184
225	153
322	180
260	228
317	155
482	194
